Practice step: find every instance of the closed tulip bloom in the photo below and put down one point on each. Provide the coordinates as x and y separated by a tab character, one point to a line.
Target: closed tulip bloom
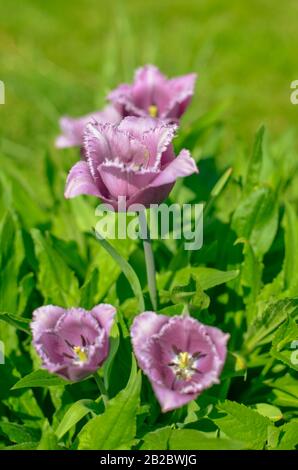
72	343
181	356
134	159
152	94
73	128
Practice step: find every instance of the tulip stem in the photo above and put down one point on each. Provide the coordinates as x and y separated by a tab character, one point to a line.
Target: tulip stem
101	388
149	259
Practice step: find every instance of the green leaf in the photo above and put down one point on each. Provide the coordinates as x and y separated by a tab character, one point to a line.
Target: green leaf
284	390
172	310
251	279
290	267
220	184
116	427
89	291
18	433
288	436
191	294
270	411
126	269
57	282
264	324
18	322
74	414
255	162
243	423
114	339
157	440
207	277
39	378
48	439
23	446
285	343
26	287
11	255
256	219
190	439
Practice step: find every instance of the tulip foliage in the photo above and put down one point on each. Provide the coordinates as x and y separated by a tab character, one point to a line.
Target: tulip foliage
91	356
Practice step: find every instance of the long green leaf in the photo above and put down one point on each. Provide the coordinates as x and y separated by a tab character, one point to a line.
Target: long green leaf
74	414
18	322
126	269
39	378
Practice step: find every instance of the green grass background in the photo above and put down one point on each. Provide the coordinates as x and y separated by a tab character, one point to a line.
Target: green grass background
62	56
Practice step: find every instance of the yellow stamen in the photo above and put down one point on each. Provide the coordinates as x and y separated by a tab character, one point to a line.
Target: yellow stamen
184	360
153	110
82	355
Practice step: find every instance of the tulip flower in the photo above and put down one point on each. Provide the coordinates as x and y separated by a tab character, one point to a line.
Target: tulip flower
134	160
73	128
181	356
152	94
72	343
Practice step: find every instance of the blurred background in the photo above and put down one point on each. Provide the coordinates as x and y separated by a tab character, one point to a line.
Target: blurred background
62	57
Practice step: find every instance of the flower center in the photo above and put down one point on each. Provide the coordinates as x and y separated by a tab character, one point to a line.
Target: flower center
153	110
81	354
184	364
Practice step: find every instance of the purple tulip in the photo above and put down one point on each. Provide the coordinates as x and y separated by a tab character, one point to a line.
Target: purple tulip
72	343
134	159
181	356
152	94
73	128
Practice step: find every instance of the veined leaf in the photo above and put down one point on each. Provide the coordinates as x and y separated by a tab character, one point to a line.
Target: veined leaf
244	424
39	378
190	439
19	433
157	440
263	326
116	427
285	343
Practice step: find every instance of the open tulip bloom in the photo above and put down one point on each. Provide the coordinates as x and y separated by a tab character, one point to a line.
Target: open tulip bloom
72	343
152	94
181	356
134	159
